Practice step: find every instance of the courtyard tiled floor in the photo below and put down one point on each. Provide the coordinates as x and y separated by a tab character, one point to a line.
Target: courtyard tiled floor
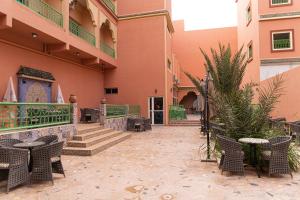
159	165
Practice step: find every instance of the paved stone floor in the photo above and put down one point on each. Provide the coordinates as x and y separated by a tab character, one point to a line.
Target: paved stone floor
160	165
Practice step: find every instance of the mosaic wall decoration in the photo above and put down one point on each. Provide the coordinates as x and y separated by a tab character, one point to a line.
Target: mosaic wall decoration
34	91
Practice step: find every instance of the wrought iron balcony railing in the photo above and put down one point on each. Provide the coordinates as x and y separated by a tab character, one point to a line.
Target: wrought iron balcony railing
110	5
282	44
79	31
33	115
107	49
44	9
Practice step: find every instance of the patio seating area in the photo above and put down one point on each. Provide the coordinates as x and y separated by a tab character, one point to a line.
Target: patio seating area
22	163
159	164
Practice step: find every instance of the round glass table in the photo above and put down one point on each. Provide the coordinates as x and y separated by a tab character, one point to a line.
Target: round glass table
253	142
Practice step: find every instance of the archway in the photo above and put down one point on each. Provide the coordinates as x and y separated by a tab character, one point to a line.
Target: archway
107	41
82	21
188	101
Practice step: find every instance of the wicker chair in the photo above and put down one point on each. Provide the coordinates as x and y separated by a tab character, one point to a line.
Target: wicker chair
147	124
48	139
47	160
232	154
278	155
15	162
9	142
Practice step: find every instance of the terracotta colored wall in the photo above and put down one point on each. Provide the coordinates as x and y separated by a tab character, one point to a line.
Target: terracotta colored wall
126	7
86	83
248	33
265	37
142	62
289	105
186	46
264	7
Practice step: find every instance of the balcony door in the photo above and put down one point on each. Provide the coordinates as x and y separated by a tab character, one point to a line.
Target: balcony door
156	110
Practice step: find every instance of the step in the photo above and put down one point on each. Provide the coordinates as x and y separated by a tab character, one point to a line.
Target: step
184	124
89	135
85	128
94	140
92	150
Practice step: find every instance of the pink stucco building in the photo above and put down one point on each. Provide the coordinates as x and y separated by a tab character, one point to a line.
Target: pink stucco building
131	52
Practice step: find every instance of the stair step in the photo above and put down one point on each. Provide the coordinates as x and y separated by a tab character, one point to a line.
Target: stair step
92	150
94	140
82	129
89	135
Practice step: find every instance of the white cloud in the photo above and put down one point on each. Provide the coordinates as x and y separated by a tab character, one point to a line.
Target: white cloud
205	14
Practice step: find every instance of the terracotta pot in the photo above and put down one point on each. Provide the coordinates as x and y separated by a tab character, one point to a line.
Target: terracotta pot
73	98
103	101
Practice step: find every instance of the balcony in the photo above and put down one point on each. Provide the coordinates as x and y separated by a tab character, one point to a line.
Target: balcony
80	32
282	44
110	5
107	49
44	9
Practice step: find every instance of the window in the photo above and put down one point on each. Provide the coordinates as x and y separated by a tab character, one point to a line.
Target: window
111	90
282	40
280	2
249	14
250	51
169	64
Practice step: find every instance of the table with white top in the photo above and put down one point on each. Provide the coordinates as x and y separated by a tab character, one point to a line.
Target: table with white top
253	142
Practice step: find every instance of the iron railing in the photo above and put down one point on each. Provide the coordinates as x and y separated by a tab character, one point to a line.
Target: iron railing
110	5
177	112
107	49
44	9
280	1
79	31
134	110
114	111
282	44
33	115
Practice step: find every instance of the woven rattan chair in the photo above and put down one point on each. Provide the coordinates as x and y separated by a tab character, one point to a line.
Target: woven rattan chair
9	142
47	160
147	124
233	155
278	155
15	162
48	139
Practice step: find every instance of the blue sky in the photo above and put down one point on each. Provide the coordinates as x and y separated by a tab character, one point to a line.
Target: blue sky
205	14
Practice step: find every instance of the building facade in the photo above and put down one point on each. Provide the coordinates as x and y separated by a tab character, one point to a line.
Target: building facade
130	51
270	31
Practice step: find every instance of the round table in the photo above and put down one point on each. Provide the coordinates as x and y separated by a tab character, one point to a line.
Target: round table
253	142
29	146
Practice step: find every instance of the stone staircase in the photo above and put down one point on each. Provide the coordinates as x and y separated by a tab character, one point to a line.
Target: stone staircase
185	123
92	139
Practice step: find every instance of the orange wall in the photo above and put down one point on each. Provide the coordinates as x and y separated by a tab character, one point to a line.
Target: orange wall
265	37
289	106
142	62
126	7
248	33
85	83
186	46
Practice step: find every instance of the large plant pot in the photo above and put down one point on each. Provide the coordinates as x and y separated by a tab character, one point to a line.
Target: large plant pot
73	98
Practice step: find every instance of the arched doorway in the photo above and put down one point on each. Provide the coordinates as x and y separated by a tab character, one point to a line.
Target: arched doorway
189	101
81	21
107	42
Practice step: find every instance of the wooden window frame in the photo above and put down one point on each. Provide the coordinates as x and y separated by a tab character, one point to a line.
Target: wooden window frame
271	5
248	55
292	38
